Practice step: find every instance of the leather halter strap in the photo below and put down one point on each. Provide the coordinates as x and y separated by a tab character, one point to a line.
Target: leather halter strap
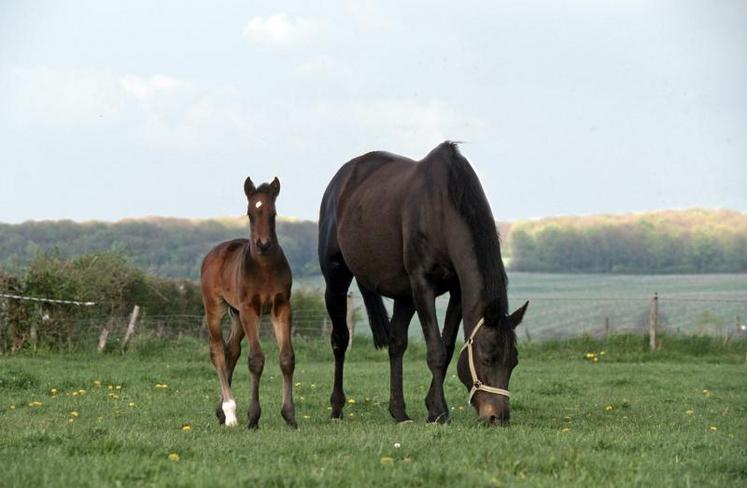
478	385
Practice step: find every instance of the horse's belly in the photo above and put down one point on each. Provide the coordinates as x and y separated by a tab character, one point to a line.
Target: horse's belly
374	255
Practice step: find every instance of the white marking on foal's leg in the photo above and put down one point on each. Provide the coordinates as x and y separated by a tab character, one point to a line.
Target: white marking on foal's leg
229	410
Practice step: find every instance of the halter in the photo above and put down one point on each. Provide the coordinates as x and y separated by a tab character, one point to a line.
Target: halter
477	385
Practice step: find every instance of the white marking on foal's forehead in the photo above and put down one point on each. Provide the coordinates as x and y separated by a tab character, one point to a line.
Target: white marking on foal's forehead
258	204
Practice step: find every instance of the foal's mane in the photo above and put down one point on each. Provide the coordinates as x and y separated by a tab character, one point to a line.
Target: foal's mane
469	200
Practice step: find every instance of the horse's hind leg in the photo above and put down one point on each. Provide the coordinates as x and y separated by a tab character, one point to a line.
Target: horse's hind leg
403	312
337	277
250	322
281	322
214	312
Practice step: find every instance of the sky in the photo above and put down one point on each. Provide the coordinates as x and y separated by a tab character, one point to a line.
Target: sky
112	110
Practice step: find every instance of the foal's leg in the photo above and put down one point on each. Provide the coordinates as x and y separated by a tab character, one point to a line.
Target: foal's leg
282	323
213	314
403	312
249	317
425	304
337	277
233	344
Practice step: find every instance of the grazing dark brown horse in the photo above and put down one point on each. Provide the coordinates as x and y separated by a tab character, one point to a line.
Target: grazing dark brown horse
412	231
249	278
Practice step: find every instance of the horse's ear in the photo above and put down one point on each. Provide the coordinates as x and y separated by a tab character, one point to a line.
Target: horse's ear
275	187
249	187
518	315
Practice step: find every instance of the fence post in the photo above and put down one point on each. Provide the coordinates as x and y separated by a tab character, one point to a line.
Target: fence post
130	327
653	322
606	327
103	337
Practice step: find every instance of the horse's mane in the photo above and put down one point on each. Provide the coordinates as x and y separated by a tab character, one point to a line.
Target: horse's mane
469	200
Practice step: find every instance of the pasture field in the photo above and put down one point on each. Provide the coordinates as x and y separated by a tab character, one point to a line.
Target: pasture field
568	305
674	418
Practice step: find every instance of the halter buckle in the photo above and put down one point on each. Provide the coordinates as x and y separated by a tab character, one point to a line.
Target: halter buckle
477	384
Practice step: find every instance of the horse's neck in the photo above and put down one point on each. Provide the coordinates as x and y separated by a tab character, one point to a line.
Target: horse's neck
473	293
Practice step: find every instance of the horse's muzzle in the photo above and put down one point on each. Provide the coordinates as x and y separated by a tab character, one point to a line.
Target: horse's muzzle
263	247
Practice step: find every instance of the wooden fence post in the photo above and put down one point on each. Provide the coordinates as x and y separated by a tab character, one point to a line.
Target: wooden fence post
103	337
349	319
130	327
606	327
653	322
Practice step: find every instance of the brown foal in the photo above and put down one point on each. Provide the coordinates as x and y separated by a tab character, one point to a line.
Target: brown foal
248	278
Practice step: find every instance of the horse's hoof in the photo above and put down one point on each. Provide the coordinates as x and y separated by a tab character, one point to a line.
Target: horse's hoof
229	412
439	419
253	424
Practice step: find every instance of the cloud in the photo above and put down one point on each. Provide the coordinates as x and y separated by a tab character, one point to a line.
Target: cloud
279	29
159	111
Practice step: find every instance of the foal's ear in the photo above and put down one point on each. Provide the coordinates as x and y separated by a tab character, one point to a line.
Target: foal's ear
249	187
275	187
518	315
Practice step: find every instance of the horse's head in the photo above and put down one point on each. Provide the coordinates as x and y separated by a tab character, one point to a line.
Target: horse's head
261	212
486	373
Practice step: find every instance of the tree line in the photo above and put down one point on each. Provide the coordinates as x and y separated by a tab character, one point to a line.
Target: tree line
689	241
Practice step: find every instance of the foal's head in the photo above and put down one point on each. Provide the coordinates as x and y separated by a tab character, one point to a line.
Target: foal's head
261	212
494	357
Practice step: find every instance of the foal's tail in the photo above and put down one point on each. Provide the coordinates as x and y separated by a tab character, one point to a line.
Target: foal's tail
378	318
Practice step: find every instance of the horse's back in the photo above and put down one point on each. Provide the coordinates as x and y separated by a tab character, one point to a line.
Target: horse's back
362	217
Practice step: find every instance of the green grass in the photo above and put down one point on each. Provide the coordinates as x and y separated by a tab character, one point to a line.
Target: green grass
563	432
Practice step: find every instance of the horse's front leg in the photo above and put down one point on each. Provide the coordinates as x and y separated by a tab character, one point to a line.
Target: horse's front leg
282	324
425	304
249	317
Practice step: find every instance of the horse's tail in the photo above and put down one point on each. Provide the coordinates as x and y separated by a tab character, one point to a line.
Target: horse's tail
378	318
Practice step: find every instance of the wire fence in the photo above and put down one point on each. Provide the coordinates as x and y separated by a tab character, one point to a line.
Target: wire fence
550	316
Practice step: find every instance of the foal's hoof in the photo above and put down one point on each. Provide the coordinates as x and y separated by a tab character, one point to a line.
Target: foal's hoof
253	425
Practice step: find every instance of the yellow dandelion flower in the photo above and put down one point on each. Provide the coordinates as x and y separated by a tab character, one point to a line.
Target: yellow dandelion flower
306	417
82	391
595	359
298	384
132	404
602	353
713	428
110	387
351	401
75	393
329	408
461	408
186	427
301	398
609	408
565	429
174	457
115	397
53	391
689	412
707	393
590	355
351	414
161	385
118	387
97	383
74	413
70	420
386	460
12	407
313	385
